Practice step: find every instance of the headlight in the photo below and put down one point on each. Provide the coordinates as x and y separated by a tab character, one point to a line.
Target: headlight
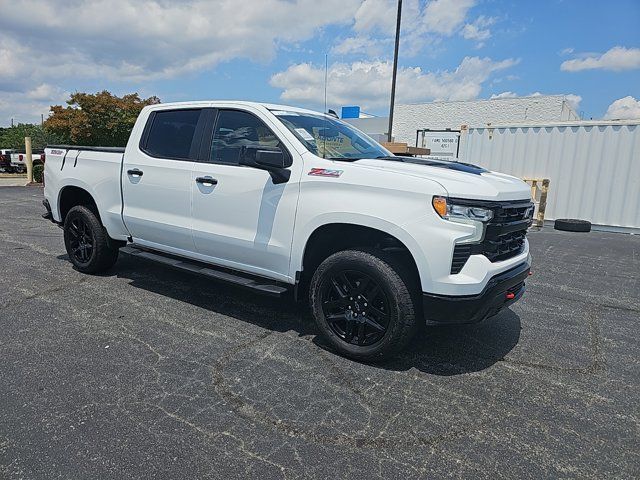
468	215
450	211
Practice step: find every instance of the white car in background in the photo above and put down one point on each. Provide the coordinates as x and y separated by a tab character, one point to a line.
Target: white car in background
19	160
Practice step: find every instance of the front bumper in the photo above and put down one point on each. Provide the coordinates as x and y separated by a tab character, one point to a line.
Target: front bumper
501	291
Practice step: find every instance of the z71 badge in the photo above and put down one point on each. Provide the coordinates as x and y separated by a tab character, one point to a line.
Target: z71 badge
325	172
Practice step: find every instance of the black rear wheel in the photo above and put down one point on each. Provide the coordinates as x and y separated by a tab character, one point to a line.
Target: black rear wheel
81	240
88	245
362	304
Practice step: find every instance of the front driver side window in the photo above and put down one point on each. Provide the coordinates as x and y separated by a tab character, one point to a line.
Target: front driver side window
236	129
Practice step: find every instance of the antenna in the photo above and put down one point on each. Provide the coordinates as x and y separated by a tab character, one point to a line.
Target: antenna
324	136
326	65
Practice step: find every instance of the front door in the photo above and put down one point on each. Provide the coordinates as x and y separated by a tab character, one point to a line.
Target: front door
156	180
241	219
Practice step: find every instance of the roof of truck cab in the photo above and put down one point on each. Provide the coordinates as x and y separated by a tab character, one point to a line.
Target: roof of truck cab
228	103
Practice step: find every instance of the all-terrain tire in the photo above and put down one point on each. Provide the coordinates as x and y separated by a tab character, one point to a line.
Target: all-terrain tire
572	225
103	252
395	283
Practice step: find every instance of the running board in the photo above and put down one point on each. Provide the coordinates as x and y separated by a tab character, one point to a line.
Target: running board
258	284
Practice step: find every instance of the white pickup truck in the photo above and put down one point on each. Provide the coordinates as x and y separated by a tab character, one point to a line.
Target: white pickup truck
278	198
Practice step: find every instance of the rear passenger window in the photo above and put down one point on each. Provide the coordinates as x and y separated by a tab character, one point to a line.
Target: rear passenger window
172	133
236	129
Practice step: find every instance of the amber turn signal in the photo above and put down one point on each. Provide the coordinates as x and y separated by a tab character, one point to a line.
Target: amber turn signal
440	205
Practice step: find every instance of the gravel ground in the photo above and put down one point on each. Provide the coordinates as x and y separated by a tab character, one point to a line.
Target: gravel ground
146	372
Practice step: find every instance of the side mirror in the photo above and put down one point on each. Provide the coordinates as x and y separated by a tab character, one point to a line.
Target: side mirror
273	160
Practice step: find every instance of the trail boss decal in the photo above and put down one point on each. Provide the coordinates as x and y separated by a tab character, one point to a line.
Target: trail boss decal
324	172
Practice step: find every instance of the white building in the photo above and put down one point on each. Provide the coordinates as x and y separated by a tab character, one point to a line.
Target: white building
593	166
410	118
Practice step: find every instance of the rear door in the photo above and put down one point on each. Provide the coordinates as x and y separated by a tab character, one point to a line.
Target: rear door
156	180
241	219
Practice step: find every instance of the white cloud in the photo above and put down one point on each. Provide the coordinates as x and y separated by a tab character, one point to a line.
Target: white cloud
443	17
367	83
616	59
361	45
28	108
125	41
478	30
422	24
46	92
573	101
446	16
506	94
162	38
377	14
626	108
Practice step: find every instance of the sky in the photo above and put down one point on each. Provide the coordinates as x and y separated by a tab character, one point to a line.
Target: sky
275	51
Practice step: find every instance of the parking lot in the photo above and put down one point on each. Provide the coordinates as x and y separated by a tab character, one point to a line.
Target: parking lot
150	373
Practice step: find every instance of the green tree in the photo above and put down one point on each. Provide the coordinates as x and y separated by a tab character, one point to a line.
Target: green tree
13	137
100	119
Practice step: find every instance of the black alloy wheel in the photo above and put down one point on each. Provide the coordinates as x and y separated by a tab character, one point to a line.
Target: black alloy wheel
355	307
81	240
87	242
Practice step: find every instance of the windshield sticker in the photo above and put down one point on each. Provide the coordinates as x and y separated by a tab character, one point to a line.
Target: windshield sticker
305	134
325	172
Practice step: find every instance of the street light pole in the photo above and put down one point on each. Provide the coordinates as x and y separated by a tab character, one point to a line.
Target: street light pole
395	70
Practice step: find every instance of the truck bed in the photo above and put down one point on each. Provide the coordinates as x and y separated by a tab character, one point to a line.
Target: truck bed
96	170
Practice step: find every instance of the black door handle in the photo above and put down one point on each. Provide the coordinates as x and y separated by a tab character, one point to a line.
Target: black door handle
207	181
135	172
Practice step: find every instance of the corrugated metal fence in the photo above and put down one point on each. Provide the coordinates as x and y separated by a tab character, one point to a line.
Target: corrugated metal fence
594	167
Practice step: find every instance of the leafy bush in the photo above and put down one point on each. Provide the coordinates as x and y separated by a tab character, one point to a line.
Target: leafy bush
13	137
38	173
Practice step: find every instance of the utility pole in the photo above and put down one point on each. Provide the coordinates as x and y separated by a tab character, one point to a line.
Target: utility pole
395	70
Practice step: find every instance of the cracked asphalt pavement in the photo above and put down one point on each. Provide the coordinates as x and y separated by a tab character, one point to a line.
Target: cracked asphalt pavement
146	372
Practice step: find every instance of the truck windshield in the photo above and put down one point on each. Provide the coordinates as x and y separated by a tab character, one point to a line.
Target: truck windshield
330	138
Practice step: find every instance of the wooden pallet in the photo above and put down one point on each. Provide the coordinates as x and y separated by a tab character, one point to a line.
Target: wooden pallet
539	191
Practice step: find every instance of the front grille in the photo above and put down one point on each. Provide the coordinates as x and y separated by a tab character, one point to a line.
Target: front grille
504	234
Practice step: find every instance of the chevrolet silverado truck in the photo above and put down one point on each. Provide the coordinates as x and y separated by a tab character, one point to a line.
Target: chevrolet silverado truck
278	199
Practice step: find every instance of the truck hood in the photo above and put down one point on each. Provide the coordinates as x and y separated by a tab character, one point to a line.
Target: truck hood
460	180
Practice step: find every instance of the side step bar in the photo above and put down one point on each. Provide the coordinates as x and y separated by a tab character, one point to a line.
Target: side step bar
258	284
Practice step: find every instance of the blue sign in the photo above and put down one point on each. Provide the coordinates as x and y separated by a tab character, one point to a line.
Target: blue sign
351	112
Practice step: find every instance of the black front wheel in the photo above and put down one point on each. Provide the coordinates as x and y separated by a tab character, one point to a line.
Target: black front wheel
362	304
87	242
